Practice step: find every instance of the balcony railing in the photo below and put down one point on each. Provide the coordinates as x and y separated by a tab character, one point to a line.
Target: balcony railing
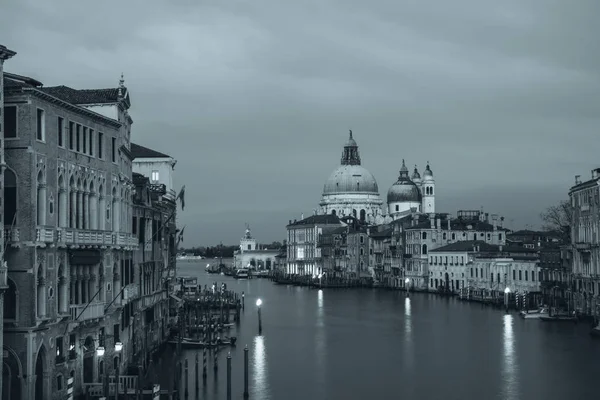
44	235
11	235
130	292
94	237
92	311
151	299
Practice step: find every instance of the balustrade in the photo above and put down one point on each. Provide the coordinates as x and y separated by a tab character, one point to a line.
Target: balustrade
83	313
11	234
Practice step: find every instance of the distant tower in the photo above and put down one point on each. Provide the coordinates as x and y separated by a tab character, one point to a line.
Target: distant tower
416	177
428	191
247	242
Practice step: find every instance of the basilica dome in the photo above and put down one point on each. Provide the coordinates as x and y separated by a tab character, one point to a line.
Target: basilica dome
404	190
350	178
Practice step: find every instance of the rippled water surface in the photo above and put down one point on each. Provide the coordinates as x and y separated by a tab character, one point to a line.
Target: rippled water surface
375	344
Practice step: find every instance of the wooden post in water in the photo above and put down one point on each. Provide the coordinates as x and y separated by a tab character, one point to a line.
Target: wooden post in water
185	378
197	373
246	394
229	376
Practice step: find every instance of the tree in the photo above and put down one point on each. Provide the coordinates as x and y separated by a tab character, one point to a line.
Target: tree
558	218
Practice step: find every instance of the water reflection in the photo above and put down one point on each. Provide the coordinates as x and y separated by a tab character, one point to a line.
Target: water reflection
510	368
260	368
408	339
320	350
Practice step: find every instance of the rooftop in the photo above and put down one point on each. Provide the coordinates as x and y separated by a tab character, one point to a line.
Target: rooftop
467	245
138	151
317	220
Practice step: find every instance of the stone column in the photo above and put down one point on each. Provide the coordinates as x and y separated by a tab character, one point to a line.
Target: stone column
116	287
41	204
86	210
79	209
91	284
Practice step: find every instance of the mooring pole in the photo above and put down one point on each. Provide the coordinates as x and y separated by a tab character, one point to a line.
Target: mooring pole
246	394
229	376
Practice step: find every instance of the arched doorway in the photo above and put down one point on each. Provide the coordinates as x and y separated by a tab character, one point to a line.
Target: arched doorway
11	377
447	286
88	360
40	384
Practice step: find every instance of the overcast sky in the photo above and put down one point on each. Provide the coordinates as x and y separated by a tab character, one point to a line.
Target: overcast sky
255	98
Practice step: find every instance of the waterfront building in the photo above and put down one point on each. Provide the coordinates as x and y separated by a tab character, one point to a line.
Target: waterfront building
333	244
67	212
585	240
303	251
251	255
432	231
533	239
5	54
380	253
146	297
555	271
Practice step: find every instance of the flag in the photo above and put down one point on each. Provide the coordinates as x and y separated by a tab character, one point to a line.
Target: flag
181	197
180	237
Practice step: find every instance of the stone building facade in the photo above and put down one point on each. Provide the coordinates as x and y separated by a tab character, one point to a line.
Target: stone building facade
67	195
5	54
251	255
585	242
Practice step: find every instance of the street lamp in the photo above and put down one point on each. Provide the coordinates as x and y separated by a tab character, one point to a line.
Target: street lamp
100	351
406	282
506	293
258	304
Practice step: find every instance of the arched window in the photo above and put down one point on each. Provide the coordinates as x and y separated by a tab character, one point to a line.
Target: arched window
431	190
363	215
62	290
10	301
354	213
10	197
73	203
41	199
115	211
101	208
424	249
41	292
332	212
62	202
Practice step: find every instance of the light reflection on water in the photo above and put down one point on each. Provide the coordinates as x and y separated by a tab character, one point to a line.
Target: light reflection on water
510	367
408	339
320	342
260	368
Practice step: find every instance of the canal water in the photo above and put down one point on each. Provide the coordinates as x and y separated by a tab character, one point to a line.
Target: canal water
377	344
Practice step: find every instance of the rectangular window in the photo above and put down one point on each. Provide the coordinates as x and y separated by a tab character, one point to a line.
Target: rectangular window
154	177
10	121
514	274
61	127
71	135
100	144
85	136
114	149
41	125
78	137
520	275
91	143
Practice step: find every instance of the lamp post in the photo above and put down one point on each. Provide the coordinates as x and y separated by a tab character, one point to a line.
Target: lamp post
118	348
506	293
406	282
258	304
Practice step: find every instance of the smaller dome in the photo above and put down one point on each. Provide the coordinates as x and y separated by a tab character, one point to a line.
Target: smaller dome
427	173
404	190
415	174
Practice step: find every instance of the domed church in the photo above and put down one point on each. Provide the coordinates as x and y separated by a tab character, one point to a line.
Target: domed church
352	190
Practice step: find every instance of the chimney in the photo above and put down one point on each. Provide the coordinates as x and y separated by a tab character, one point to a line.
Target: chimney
577	181
495	221
449	227
501	222
487	217
290	222
301	216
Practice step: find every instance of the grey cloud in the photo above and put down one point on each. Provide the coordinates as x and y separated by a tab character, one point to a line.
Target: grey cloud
254	98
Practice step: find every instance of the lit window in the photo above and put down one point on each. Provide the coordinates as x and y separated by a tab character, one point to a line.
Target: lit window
154	177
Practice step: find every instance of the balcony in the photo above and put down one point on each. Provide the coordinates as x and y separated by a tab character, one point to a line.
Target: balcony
151	299
130	292
583	246
81	237
92	311
11	235
44	234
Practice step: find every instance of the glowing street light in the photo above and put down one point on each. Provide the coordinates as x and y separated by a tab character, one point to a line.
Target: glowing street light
258	304
118	346
100	351
506	293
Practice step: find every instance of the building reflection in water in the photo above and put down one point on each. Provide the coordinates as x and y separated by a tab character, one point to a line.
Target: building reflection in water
510	367
260	369
408	339
320	338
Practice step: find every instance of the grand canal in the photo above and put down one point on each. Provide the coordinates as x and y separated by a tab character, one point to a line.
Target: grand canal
377	344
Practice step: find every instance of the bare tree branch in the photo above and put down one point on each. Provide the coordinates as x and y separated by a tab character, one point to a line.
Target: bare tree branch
558	218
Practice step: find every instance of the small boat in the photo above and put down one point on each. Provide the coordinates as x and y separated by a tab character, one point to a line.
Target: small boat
242	273
534	314
558	318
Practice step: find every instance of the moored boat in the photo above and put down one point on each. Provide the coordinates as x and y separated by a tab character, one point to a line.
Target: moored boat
558	318
534	314
242	273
